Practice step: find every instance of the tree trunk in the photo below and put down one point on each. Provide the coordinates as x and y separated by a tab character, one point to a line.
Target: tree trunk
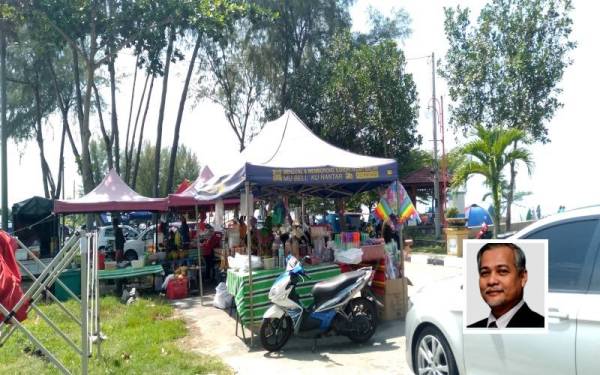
161	114
139	148
107	139
184	92
496	197
127	155
39	138
86	165
65	118
511	191
114	135
114	123
61	163
129	149
78	98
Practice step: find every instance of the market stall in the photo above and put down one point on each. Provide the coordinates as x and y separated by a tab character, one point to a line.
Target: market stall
112	194
186	201
287	159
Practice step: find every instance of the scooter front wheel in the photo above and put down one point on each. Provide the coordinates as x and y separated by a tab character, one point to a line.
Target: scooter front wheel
363	316
275	332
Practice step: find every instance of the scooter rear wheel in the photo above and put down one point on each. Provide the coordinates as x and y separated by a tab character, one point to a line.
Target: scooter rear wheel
275	332
362	311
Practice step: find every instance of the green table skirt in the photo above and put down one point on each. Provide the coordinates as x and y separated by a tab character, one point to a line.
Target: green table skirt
124	273
238	286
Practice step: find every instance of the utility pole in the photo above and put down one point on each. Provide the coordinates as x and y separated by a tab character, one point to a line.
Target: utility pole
3	129
436	172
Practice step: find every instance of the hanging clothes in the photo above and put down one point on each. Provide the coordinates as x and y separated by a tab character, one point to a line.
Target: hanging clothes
10	277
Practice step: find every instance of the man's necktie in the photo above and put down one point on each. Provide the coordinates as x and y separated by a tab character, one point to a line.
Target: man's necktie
493	325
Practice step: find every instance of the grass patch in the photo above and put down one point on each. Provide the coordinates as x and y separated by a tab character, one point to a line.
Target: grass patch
141	340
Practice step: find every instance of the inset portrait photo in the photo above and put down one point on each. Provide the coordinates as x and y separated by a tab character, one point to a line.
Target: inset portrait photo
506	286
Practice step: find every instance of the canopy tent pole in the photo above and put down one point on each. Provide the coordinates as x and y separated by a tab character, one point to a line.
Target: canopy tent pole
302	211
249	251
199	251
400	245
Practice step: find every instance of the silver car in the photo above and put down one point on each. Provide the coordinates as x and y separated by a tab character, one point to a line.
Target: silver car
435	343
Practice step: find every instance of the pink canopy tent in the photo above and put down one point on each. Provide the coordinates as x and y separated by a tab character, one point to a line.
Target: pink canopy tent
187	198
112	194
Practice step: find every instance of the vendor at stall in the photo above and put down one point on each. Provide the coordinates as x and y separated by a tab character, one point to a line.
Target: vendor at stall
119	239
389	232
184	230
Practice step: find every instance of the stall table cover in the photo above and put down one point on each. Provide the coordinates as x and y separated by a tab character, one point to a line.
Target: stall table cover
237	285
124	273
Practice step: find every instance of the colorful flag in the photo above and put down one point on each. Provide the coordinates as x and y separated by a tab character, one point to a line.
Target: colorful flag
400	203
383	210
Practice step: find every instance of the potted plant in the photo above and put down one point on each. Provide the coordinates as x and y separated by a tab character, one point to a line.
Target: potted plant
453	219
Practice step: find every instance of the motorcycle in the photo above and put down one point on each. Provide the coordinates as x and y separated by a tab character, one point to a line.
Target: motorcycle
343	305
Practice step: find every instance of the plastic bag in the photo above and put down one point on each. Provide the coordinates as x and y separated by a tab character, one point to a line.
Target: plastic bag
222	299
350	256
240	262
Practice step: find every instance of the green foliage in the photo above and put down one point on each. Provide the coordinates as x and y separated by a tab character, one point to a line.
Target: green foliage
393	27
186	166
505	70
141	340
489	154
298	37
98	159
452	212
371	101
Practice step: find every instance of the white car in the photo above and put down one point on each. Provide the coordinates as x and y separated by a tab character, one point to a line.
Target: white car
435	343
136	247
106	236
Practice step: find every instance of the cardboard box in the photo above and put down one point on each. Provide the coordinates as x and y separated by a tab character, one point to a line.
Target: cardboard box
395	300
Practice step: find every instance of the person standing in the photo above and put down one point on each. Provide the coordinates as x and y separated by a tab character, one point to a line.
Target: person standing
119	239
184	231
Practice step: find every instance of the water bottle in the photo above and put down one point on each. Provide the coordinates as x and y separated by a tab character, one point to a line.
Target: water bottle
281	256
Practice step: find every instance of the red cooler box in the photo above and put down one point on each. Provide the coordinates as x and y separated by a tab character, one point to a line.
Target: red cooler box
177	288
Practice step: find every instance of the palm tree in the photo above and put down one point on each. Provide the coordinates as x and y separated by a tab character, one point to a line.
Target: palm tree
487	155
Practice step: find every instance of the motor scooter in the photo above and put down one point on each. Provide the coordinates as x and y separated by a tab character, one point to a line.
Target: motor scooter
343	305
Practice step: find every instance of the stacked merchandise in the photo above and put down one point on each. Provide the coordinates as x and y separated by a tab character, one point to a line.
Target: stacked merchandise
318	235
349	240
355	250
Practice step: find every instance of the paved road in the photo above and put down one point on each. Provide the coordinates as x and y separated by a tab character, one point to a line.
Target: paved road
213	332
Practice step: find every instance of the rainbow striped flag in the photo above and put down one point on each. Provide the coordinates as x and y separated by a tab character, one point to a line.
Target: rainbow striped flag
383	210
400	202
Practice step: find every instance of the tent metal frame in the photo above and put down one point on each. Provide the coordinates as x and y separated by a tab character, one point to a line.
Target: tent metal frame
81	244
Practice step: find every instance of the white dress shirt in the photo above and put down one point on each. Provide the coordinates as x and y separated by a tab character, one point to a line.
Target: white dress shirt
503	320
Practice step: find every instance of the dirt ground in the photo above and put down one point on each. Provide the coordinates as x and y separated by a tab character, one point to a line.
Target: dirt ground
213	331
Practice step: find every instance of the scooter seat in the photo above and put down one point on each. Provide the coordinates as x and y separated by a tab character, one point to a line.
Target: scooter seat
324	290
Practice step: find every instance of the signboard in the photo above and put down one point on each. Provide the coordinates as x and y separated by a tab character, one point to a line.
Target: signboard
322	175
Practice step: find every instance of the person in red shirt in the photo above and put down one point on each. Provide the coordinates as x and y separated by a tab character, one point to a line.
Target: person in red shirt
208	253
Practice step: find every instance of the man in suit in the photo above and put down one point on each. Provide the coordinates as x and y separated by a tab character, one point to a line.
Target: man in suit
502	278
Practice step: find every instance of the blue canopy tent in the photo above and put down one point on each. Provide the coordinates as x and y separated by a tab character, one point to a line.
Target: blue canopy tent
477	215
286	157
